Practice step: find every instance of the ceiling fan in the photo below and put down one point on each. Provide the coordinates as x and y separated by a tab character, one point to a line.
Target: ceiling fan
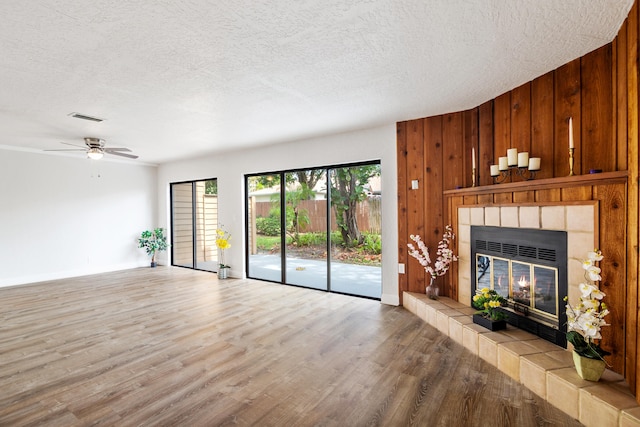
95	149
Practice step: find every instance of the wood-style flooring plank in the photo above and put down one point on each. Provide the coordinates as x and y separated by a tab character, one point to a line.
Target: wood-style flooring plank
173	347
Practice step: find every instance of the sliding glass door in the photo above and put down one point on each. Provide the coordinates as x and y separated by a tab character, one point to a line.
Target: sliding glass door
264	232
356	244
194	220
306	225
317	228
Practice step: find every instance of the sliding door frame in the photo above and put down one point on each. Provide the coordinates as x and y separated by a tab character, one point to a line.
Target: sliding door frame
283	219
194	218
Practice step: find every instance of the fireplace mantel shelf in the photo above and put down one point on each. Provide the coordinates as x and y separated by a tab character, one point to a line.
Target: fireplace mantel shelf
542	184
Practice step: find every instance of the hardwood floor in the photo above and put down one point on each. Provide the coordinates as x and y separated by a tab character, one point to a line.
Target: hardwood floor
176	347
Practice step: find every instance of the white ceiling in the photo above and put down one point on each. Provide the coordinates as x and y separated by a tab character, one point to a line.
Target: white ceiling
178	78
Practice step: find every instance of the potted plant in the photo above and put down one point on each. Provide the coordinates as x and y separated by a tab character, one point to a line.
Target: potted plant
487	301
443	261
223	243
584	321
153	241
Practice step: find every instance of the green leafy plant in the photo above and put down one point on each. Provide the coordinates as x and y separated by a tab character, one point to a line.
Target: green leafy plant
585	319
487	302
153	241
268	226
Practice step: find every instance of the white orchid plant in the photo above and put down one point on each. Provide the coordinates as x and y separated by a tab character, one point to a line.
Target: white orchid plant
444	254
585	319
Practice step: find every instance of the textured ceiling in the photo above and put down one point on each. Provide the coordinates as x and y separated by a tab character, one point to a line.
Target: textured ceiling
178	78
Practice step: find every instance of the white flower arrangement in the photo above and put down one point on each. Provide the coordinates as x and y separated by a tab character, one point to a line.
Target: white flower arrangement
585	319
444	254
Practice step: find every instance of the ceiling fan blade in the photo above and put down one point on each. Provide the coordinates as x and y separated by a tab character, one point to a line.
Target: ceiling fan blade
69	149
116	153
74	145
109	149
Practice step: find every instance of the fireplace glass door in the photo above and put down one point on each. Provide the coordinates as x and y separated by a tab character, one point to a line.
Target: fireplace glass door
528	286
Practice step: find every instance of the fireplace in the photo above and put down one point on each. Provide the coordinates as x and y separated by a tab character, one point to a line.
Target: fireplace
528	267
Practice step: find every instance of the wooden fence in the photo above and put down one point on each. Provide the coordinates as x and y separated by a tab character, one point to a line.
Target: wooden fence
368	215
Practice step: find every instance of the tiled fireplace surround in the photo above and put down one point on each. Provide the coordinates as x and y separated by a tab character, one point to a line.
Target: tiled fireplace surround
543	367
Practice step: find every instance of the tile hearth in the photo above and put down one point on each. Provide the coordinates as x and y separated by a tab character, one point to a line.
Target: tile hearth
542	367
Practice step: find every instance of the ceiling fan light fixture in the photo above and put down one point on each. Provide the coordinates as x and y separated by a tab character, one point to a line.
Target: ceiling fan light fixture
95	153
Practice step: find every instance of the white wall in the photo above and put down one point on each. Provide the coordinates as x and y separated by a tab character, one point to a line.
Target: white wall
229	168
67	216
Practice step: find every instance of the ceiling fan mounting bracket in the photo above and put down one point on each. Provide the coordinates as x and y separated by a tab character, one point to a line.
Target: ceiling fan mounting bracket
94	142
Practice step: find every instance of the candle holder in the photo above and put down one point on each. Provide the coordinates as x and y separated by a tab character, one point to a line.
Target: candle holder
522	171
571	150
473	177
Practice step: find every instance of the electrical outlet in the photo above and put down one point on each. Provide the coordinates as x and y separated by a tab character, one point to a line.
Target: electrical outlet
414	184
401	268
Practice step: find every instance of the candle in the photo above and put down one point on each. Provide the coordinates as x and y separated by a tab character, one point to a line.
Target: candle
534	164
502	163
570	132
523	160
473	157
494	170
512	156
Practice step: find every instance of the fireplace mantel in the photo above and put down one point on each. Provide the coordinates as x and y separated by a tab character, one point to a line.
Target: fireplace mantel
604	178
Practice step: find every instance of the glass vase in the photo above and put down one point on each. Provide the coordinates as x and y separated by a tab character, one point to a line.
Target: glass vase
432	290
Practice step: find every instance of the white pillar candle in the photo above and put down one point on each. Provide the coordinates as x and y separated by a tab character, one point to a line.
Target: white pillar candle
570	132
523	160
534	164
494	170
473	157
512	156
502	163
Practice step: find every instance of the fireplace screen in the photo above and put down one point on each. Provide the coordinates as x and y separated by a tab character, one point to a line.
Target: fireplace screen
530	287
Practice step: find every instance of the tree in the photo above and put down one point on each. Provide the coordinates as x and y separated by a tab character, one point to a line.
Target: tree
211	186
308	179
347	189
295	217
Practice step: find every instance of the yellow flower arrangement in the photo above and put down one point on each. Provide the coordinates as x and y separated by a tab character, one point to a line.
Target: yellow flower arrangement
223	242
487	301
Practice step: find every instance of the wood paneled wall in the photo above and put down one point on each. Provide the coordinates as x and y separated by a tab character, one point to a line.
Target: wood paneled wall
600	92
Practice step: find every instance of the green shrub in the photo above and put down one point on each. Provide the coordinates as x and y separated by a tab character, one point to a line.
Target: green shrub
372	243
269	226
312	239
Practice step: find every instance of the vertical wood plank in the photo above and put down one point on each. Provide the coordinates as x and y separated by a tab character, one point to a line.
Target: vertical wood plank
567	104
452	151
415	198
486	156
435	173
484	199
612	232
451	279
597	99
549	195
470	143
521	118
502	125
401	149
620	117
542	123
577	194
633	195
502	198
471	200
524	196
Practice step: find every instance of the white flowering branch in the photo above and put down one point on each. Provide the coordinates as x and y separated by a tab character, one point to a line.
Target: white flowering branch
444	254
